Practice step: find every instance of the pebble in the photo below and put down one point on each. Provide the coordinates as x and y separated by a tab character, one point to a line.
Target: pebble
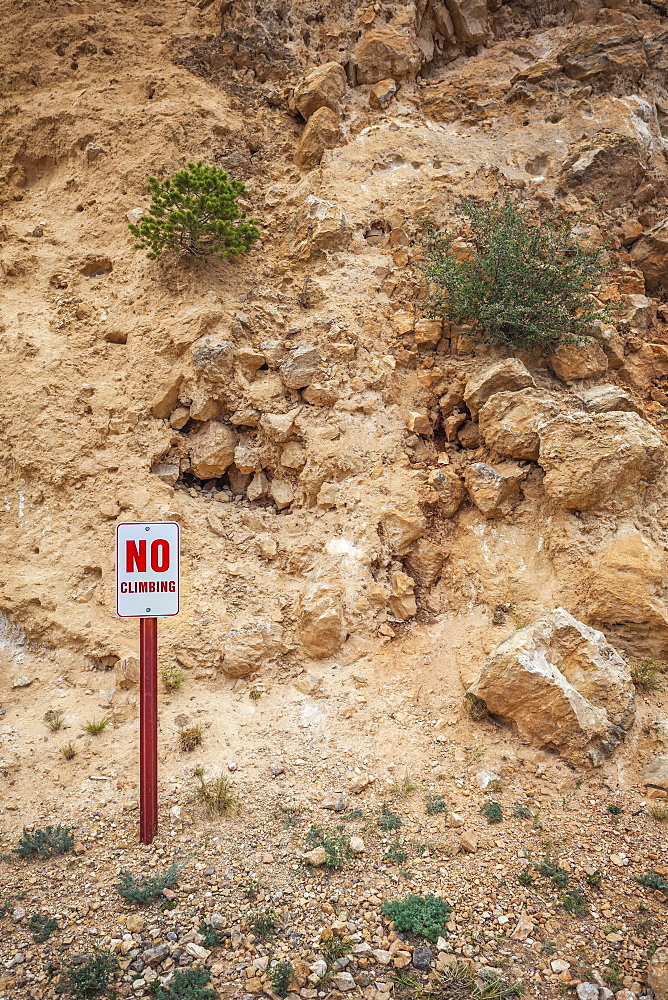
22	682
559	965
357	845
344	981
422	957
587	991
334	801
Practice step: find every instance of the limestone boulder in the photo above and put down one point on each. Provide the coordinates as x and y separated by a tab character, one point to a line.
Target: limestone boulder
572	361
425	562
605	162
628	595
322	628
213	357
127	672
471	20
322	132
382	93
655	774
401	525
657	974
323	87
166	397
498	376
300	367
402	598
562	686
494	490
446	489
319	227
650	254
599	460
509	421
608	399
250	646
387	52
212	449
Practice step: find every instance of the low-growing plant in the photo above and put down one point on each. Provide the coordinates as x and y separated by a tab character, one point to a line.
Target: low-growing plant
195	212
68	751
594	879
425	916
251	887
646	674
290	816
144	889
187	984
461	983
215	794
549	867
659	811
436	804
263	923
352	814
212	937
575	901
395	854
388	820
521	811
42	927
54	719
613	809
334	949
90	978
45	843
548	947
172	677
96	726
189	738
475	707
652	880
525	878
281	976
401	788
492	812
336	844
613	973
255	694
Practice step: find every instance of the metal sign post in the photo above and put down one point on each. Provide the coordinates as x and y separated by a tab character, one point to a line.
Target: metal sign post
148	587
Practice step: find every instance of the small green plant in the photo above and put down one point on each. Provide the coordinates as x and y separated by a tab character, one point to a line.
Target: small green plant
251	887
281	976
336	844
188	984
189	738
492	812
54	719
45	843
395	854
143	890
68	751
525	878
548	947
575	901
352	814
594	879
521	811
659	812
646	674
462	983
520	282
401	788
613	809
549	867
212	937
425	916
172	678
255	694
388	820
334	949
475	707
195	212
613	973
216	795
96	726
90	978
290	816
263	923
652	880
436	804
42	927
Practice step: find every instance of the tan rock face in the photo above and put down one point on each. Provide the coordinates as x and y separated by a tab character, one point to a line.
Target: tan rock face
562	686
386	52
598	460
402	524
323	87
607	399
509	421
628	592
657	974
471	20
494	489
321	624
402	599
655	774
448	490
575	361
248	647
213	357
499	376
425	562
212	450
650	254
604	162
322	132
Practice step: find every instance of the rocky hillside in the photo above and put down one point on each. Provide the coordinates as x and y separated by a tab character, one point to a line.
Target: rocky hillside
373	506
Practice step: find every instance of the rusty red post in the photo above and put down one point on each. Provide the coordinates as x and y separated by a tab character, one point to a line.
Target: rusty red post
148	729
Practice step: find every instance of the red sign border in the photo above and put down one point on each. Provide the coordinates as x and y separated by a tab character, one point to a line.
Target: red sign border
178	577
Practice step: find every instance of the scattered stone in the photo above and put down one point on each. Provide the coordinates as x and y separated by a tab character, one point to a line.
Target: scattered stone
421	957
382	93
655	773
357	845
650	254
316	857
127	672
300	367
559	965
343	981
419	423
401	524
499	376
322	132
495	490
18	913
336	801
197	951
524	927
22	682
425	562
486	778
168	472
323	87
93	151
166	397
607	399
402	597
135	923
468	840
572	361
213	358
277	769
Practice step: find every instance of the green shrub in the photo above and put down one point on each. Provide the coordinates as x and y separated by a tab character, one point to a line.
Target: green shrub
525	282
212	937
188	984
614	810
522	811
492	812
90	978
45	843
281	976
336	844
395	854
525	878
195	212
593	879
263	923
142	890
388	820
189	738
652	880
575	902
549	867
42	927
436	804
425	916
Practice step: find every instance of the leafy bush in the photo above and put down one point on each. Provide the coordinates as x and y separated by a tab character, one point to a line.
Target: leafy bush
142	890
646	674
523	282
189	738
659	811
388	820
436	804
195	212
521	811
42	927
593	879
652	880
401	788
263	923
90	978
45	843
212	937
425	916
281	976
549	867
54	719
188	984
575	902
492	812
336	844
216	794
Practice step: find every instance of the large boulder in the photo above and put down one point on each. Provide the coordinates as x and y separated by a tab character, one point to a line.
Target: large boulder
494	490
607	399
446	489
322	627
498	376
562	685
509	421
385	52
213	357
212	450
322	132
604	163
323	87
583	359
248	647
650	254
471	20
599	460
319	227
300	367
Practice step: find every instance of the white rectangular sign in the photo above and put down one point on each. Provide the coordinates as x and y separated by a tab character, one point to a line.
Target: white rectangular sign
147	569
